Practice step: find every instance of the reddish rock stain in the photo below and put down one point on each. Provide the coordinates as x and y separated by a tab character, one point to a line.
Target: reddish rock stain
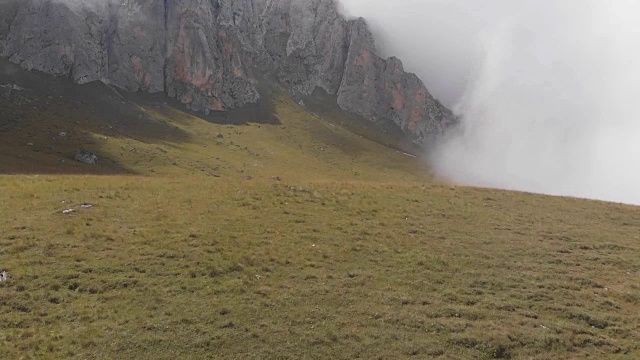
148	80
397	71
399	101
196	74
229	52
136	63
417	114
186	99
364	59
216	104
138	33
182	54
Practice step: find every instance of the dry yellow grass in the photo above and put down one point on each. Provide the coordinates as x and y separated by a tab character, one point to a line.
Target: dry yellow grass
302	240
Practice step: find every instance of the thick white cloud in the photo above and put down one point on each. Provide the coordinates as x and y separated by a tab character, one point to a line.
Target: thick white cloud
548	90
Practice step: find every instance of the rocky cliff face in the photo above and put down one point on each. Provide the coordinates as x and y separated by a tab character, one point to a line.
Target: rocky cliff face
210	53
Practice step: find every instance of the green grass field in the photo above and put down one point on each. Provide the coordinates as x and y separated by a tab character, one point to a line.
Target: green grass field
293	240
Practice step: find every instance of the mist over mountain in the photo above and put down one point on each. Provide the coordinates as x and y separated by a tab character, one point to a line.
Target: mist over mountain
547	90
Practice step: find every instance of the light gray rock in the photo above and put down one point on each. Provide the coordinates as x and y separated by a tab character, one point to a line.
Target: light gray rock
8	11
209	54
86	157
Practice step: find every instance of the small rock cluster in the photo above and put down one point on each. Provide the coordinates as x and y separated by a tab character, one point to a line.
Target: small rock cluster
86	157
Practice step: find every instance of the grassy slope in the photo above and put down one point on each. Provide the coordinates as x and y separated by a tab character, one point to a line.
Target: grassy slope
336	247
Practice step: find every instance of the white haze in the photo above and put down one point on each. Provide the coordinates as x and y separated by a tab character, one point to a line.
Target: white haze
84	5
548	91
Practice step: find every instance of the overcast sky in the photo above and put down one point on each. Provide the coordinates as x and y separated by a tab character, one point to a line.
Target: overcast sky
549	90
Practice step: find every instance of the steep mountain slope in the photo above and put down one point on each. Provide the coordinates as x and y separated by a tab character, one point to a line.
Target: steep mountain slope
158	139
212	55
45	120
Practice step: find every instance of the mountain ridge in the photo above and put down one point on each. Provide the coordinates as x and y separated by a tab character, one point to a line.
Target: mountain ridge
210	54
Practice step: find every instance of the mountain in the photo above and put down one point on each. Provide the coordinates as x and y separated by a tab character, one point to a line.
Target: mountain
213	55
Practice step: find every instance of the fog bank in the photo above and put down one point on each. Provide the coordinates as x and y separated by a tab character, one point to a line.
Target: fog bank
547	91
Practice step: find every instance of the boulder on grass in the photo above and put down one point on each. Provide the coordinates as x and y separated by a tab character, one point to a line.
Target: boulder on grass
86	157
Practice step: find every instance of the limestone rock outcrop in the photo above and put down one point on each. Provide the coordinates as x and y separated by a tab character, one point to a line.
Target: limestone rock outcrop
211	54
